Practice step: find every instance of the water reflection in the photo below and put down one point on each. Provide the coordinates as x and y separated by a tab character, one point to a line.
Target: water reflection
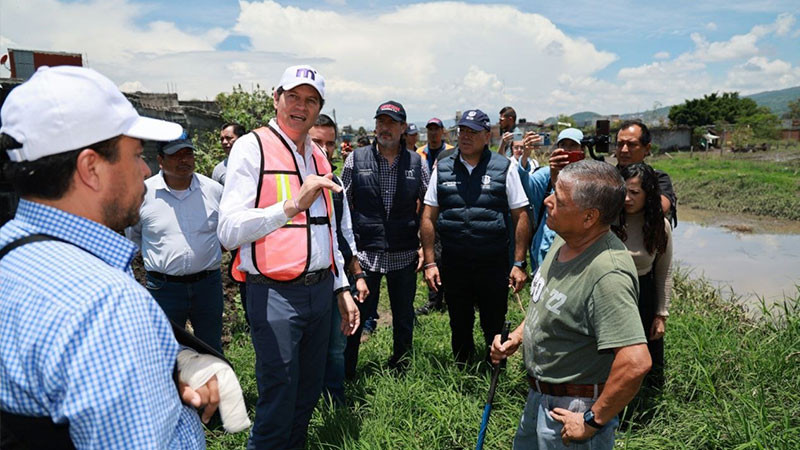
763	263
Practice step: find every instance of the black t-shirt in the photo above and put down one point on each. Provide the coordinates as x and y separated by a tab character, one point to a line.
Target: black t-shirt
665	183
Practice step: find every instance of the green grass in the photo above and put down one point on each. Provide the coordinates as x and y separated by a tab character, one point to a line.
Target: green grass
764	184
731	383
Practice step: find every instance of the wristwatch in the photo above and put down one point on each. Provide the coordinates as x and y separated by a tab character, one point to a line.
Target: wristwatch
588	419
521	264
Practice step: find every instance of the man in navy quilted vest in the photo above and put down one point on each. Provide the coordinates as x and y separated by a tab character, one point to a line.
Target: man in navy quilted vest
471	192
385	184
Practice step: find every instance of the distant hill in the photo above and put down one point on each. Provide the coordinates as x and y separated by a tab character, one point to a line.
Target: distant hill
579	118
777	101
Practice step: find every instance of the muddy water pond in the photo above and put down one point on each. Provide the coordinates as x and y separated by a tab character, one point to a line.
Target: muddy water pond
751	256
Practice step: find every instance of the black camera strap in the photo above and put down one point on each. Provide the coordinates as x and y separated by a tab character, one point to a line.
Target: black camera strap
18	431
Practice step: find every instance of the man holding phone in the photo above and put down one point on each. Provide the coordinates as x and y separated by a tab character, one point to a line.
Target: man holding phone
508	130
539	184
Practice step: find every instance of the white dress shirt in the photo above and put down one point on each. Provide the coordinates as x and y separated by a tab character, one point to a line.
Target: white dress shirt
177	229
514	192
241	223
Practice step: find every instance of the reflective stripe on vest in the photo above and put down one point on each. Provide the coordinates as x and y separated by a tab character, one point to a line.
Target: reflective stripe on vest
281	255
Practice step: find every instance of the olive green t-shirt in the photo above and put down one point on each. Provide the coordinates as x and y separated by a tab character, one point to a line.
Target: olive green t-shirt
580	310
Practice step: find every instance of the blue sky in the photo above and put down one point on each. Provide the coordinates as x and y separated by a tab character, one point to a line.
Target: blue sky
544	58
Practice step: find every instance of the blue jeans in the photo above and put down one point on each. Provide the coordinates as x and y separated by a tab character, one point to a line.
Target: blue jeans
537	430
199	301
290	326
402	285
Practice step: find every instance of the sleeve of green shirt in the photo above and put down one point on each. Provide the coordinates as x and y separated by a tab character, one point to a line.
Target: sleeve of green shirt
614	312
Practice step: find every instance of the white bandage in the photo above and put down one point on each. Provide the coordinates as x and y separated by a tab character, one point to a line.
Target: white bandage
196	369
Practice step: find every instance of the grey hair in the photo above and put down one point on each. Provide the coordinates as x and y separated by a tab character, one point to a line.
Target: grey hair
596	184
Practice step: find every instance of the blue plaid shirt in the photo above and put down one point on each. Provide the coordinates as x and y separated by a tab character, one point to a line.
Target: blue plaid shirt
82	342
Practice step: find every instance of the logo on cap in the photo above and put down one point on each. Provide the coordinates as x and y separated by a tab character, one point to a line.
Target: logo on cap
472	114
390	107
306	73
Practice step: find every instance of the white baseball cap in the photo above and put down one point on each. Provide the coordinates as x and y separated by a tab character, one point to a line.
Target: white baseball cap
67	108
296	75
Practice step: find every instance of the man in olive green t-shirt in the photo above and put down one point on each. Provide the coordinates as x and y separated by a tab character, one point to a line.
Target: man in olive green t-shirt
584	347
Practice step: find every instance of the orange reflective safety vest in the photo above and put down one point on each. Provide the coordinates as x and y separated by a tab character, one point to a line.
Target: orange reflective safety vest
284	254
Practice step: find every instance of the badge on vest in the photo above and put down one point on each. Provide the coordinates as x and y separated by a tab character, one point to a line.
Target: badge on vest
486	180
365	172
450	183
410	174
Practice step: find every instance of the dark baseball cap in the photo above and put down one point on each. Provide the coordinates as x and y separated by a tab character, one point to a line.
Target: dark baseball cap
412	129
172	147
435	121
392	109
475	119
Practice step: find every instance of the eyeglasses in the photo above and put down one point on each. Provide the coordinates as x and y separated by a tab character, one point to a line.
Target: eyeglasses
629	144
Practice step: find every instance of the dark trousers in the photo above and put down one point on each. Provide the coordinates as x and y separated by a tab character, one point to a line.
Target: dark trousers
654	380
199	301
402	285
437	296
290	326
470	283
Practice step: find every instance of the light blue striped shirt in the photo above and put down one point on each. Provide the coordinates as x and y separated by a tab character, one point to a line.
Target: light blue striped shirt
82	342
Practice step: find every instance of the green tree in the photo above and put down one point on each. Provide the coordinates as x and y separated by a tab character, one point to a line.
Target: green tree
794	110
250	109
567	119
727	108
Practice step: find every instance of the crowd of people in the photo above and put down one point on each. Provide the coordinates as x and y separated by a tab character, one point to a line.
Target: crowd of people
89	357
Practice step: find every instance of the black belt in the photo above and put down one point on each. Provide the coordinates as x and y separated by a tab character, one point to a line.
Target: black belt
191	278
319	220
306	279
566	389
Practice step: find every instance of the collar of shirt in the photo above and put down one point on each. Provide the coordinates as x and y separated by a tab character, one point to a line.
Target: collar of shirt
113	248
160	183
308	145
380	157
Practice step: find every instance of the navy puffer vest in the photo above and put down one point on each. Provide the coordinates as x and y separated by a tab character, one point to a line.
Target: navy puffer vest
473	207
374	231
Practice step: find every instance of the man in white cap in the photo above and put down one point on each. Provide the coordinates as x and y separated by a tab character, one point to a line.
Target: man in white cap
86	354
539	184
277	208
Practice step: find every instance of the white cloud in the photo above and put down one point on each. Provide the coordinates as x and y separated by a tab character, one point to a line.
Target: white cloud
740	45
446	50
711	26
241	70
784	24
133	86
760	73
103	30
688	75
435	58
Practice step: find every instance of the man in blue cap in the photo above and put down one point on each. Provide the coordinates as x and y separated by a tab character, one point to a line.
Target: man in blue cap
471	192
177	235
412	135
